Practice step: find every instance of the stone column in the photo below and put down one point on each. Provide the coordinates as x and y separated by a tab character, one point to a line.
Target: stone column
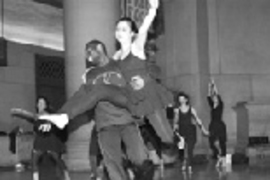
84	20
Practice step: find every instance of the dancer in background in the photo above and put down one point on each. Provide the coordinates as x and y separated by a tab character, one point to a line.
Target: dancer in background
48	138
185	121
217	127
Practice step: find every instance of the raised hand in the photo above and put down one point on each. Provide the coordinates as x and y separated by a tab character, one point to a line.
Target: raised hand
154	4
211	83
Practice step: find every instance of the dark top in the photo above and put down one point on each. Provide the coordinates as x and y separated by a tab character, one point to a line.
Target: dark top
48	141
52	140
186	127
132	66
217	127
216	113
153	95
185	119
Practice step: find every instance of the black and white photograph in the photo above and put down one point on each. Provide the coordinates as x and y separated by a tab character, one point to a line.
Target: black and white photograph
134	89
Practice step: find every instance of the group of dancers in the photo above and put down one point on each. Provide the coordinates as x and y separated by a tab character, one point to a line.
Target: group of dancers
186	120
123	92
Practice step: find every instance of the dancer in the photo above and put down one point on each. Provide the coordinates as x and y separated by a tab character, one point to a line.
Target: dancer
48	138
97	86
150	97
217	127
115	125
142	95
185	121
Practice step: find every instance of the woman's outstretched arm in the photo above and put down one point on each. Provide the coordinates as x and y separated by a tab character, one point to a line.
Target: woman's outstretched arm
24	114
146	24
199	122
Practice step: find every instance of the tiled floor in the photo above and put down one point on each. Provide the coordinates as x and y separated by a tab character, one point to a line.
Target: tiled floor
256	171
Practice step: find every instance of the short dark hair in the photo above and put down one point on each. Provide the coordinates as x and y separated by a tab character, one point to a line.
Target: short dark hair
49	109
93	45
183	94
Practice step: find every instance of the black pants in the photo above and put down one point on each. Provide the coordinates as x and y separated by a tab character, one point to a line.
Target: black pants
55	156
222	146
218	133
190	135
189	153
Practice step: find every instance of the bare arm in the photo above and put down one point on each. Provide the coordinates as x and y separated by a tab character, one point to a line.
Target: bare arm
117	55
196	118
176	119
199	122
214	89
210	89
210	94
140	40
24	114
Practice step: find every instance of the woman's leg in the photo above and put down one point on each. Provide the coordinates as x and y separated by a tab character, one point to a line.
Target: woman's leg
223	139
190	139
35	161
87	100
223	148
189	159
215	151
60	164
190	149
185	156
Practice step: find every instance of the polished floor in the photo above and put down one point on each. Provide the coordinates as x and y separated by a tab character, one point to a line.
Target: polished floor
259	170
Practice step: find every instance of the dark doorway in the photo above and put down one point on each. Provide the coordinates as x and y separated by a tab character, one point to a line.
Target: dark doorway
50	79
